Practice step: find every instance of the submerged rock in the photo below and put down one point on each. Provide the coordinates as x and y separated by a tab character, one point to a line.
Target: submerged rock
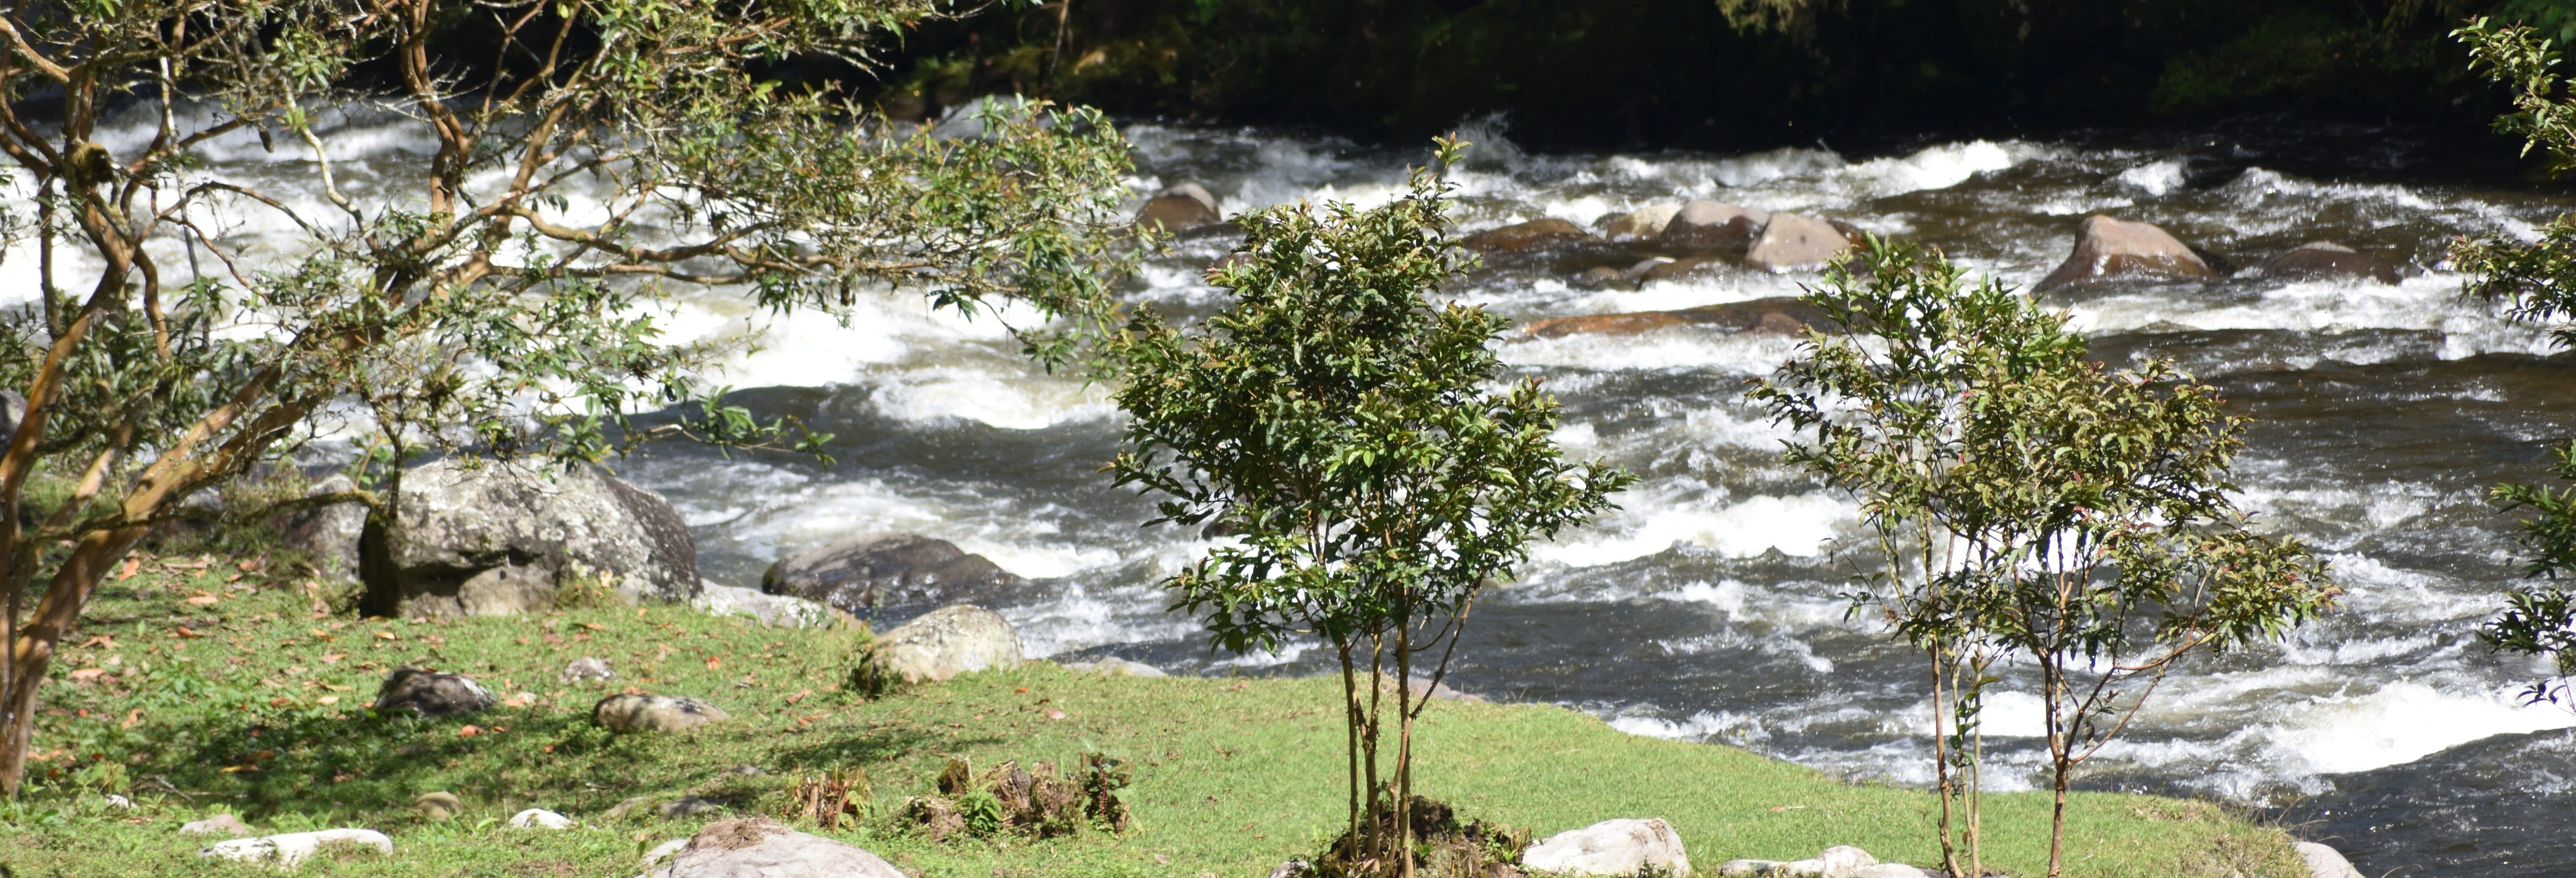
888	576
944	643
1611	847
1180	208
2108	248
1530	235
502	538
1794	241
654	713
768	849
1781	314
1644	223
428	693
2327	259
1713	225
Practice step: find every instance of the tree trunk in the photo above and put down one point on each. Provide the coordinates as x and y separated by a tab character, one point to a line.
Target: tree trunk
33	650
1404	739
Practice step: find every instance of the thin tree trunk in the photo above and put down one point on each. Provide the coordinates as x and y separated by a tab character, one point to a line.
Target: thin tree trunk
32	652
2061	744
1942	779
1404	738
1351	720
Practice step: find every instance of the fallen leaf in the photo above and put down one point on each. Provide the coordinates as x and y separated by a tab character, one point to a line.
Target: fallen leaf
132	564
280	702
202	599
1022	690
594	626
799	696
107	640
250	565
131	719
336	688
327	699
233	768
185	632
469	730
86	674
334	658
714	662
1053	713
386	635
514	702
1788	808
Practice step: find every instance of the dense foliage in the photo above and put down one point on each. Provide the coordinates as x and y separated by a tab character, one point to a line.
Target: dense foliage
494	291
1344	437
2536	281
2028	503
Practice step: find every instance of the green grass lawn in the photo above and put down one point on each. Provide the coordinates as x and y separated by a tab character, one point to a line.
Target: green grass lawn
198	690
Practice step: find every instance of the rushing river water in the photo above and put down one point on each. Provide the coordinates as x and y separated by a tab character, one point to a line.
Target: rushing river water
1706	609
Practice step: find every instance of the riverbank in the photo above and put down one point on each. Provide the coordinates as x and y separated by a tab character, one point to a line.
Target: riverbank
212	684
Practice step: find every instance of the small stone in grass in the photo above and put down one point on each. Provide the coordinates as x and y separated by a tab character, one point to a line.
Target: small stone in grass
653	713
588	668
437	806
539	818
690	806
220	824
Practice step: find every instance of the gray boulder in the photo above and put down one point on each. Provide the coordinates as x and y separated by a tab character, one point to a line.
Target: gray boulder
427	693
654	713
502	538
2108	248
943	643
1180	208
1713	225
2325	862
1793	241
775	610
327	534
292	849
888	577
2328	260
762	848
1611	847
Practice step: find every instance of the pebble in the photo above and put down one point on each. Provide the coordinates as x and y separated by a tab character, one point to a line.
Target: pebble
539	818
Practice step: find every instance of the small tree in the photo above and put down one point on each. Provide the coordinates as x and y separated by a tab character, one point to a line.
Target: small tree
2537	282
1349	440
2028	503
193	323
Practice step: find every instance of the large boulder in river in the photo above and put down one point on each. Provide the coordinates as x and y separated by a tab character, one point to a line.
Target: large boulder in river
1713	225
944	643
1180	208
1641	224
1530	235
888	576
2107	248
2327	260
1781	314
501	538
763	848
1611	847
2325	862
1793	241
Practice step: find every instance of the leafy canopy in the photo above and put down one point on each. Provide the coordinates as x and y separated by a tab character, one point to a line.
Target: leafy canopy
2536	282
